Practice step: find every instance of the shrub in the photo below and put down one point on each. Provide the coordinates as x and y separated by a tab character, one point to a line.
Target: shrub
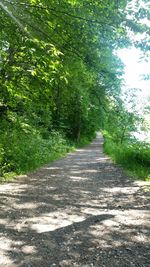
134	157
23	148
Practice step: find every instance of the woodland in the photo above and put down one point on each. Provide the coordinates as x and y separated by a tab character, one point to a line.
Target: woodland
61	80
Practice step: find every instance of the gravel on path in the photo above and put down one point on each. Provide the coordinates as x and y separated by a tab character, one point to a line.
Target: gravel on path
79	211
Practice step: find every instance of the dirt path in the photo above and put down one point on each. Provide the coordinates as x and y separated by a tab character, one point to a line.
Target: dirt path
79	211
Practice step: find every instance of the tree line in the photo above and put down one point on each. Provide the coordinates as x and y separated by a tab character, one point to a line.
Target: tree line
60	76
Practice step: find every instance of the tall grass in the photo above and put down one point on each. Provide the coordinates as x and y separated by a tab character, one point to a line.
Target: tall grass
85	140
25	149
133	156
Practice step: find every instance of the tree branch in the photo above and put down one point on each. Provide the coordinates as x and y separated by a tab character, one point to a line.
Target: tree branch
62	12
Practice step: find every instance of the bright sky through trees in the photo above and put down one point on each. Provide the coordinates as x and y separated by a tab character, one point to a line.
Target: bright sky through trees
137	63
135	69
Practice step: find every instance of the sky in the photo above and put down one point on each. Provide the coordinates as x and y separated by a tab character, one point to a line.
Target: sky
135	68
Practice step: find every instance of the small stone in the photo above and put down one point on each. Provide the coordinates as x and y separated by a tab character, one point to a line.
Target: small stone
128	249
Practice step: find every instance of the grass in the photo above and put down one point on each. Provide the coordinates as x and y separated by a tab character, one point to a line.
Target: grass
85	140
24	151
133	157
24	148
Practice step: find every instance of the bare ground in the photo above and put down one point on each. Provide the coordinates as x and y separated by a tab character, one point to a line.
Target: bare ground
79	211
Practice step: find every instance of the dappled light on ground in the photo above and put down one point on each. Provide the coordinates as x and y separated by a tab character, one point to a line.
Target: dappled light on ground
79	211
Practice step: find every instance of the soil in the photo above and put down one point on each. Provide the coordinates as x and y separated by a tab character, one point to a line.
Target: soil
79	211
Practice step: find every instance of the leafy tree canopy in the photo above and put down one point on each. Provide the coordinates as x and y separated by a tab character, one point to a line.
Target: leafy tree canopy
58	64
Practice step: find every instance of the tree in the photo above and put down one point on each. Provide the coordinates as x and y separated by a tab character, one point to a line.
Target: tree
58	67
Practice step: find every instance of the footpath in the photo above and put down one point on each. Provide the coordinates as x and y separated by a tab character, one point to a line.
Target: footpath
79	211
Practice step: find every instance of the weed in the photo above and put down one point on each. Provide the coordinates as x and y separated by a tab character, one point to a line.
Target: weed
134	157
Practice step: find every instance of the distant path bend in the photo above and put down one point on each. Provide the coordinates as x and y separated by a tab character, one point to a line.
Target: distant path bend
79	211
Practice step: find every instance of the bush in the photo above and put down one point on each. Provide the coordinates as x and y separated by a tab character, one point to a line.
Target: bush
134	157
23	148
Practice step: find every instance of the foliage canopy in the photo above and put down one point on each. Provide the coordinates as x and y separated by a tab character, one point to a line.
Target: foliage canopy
58	68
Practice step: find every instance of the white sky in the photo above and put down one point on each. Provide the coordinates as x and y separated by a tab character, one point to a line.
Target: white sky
134	69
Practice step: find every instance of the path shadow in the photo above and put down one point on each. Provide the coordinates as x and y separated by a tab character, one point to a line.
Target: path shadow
77	211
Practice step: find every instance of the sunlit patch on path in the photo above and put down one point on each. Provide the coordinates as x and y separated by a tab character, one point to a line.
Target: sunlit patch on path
79	211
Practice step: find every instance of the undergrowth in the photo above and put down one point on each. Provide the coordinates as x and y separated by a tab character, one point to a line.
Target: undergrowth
85	140
24	148
134	157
